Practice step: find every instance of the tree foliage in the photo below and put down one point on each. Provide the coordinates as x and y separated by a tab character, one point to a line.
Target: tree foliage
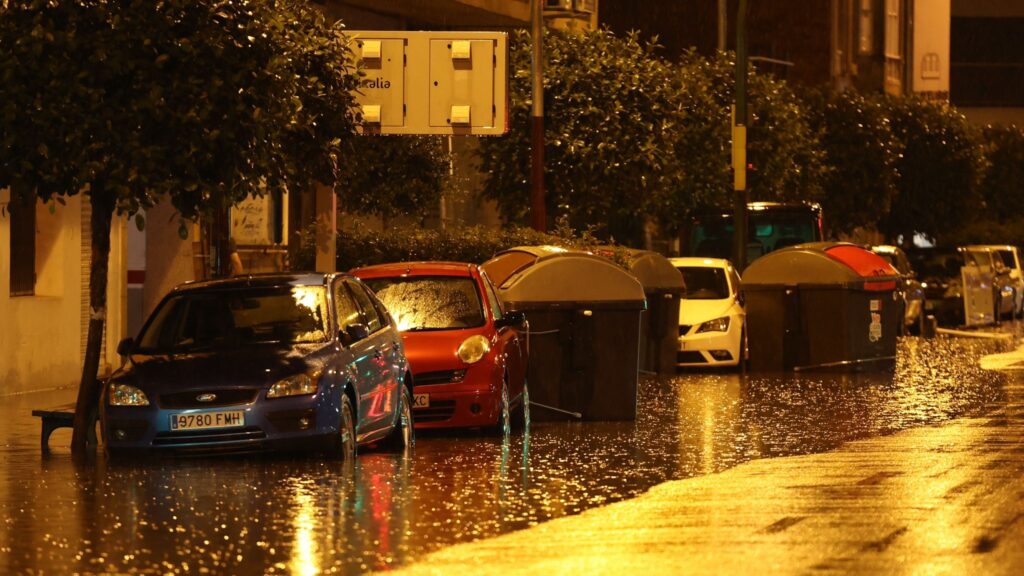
611	113
202	102
860	153
782	148
393	176
1003	187
941	169
630	136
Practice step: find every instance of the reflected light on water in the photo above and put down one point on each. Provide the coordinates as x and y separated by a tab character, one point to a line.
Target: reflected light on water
708	445
305	559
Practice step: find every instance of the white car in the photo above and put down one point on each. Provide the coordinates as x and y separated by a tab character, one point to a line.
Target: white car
711	315
1011	259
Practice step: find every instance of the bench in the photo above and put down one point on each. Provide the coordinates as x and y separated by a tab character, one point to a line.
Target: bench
59	417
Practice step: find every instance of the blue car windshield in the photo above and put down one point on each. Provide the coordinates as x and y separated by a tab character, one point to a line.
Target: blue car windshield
224	319
430	302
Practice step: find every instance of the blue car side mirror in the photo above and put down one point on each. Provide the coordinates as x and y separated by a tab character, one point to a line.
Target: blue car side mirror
354	333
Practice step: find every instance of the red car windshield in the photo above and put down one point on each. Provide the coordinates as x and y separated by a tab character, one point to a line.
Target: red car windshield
430	302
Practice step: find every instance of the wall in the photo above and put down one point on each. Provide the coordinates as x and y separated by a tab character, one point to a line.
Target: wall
42	336
930	62
169	258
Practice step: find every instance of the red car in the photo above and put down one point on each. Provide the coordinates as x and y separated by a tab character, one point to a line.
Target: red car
467	356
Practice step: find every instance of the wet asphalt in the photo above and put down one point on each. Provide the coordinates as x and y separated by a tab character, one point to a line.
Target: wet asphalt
307	515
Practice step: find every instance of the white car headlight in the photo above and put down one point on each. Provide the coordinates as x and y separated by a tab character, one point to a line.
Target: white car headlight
126	395
298	385
716	325
473	349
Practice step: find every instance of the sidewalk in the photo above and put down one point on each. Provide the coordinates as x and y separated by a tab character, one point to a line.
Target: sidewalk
946	499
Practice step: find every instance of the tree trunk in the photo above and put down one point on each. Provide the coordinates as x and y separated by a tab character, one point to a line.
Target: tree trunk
89	388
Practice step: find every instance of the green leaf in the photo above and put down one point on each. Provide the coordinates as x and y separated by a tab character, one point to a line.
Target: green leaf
140	222
182	231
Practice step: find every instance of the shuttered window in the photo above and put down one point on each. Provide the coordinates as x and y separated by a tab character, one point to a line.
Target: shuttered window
23	246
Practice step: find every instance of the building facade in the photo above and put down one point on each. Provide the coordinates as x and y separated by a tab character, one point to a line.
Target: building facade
44	293
987	55
870	45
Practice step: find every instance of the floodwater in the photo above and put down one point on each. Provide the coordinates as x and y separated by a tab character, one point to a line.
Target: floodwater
307	515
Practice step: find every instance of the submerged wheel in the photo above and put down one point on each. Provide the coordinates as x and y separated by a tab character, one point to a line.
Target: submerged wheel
403	435
345	443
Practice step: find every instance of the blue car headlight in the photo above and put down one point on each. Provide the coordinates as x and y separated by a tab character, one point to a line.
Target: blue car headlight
716	325
298	385
126	395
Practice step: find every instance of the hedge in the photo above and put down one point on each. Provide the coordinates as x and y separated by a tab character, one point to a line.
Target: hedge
477	244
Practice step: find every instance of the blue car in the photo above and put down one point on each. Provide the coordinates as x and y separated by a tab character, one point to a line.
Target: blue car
258	363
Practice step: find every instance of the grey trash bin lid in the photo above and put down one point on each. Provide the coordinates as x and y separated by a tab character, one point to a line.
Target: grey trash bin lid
655	272
508	262
572	279
820	264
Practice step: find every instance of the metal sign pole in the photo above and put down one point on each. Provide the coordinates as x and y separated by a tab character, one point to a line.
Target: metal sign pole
538	217
739	142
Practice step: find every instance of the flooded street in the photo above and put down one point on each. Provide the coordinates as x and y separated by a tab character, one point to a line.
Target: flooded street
307	515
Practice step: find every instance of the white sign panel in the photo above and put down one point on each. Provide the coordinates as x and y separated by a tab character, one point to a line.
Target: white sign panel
433	82
252	221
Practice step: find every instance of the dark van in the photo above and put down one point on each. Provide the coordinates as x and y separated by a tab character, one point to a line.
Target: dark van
770	226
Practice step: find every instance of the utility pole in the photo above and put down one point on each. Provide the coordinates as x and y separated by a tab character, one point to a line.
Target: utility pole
538	217
723	23
739	142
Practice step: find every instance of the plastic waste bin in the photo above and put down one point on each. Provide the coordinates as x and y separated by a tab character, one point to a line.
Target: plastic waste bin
584	328
821	305
663	287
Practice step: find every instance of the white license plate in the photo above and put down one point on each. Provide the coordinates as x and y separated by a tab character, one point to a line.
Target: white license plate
203	420
421	400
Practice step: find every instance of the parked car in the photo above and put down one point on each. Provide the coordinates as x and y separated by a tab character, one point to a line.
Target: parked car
262	362
1010	256
468	356
992	275
939	271
711	315
910	288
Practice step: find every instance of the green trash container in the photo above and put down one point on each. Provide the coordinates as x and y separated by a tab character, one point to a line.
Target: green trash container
823	305
584	329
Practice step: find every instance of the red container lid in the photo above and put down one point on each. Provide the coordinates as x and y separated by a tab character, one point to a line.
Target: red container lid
866	264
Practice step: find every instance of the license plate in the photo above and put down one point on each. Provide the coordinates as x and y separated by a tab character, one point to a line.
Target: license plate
203	420
421	400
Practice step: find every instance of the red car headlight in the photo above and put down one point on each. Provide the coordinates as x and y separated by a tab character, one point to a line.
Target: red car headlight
473	349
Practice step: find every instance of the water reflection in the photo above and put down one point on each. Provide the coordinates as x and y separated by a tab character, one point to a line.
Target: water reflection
311	515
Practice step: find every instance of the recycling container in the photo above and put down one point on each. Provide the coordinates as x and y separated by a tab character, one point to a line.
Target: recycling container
584	329
822	305
664	287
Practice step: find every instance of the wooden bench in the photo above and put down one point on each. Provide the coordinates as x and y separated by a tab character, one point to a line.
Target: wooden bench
59	417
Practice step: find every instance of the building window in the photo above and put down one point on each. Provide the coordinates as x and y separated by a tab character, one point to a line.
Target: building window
893	47
866	37
22	216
